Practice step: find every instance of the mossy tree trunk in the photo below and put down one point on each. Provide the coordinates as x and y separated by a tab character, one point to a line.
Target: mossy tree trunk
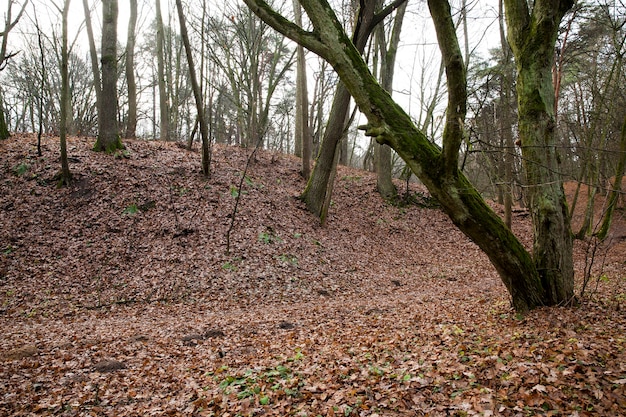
532	35
436	167
4	128
108	132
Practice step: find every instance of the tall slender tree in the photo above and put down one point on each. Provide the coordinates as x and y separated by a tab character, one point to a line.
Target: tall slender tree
131	123
108	132
9	23
93	54
303	138
164	126
64	177
204	128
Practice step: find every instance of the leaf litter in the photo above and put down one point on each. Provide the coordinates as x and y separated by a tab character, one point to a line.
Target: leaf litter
117	298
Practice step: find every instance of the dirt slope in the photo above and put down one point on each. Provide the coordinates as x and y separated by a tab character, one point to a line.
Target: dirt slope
118	297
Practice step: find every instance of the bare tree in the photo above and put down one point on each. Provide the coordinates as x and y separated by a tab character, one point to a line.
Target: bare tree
9	23
131	123
64	177
164	126
204	128
303	137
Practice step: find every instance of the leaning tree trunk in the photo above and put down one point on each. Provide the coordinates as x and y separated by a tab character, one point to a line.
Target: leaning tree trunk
197	93
93	53
532	36
436	167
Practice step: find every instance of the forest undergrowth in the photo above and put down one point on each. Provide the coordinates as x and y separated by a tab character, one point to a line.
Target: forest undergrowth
118	297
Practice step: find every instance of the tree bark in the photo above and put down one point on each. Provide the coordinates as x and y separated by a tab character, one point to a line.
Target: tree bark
303	137
64	177
436	167
131	124
532	36
388	54
164	125
9	24
617	186
109	136
319	187
93	53
204	128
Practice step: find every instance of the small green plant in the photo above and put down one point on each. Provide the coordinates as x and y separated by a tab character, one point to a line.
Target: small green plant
269	237
8	250
228	266
121	154
234	191
180	190
21	169
131	210
288	259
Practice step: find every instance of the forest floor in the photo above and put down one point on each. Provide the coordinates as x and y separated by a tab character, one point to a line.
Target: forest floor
125	295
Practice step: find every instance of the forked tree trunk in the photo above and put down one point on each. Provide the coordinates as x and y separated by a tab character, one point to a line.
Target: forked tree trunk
319	187
436	167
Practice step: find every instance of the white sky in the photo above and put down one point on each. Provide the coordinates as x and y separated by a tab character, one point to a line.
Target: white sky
417	56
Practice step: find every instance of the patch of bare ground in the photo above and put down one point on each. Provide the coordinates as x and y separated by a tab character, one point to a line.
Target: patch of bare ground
117	297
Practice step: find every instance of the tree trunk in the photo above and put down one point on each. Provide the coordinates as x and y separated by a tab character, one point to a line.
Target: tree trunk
204	128
617	186
131	124
4	128
164	126
64	177
505	120
108	136
9	24
436	167
303	137
93	53
532	36
388	54
319	187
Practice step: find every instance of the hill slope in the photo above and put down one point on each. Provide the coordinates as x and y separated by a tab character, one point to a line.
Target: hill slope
386	311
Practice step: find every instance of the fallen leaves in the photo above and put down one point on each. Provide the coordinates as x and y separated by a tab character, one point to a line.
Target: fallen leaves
117	298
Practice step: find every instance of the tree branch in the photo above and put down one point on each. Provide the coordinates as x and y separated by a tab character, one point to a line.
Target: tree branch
309	40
